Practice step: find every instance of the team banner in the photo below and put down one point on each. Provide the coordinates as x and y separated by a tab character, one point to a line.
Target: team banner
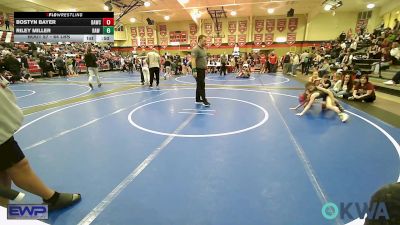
258	39
150	31
232	27
259	26
269	38
163	30
293	22
218	28
150	42
134	42
164	42
291	38
133	32
281	24
218	41
231	40
143	43
208	41
243	26
208	28
270	25
141	31
193	41
361	23
242	40
1	19
193	29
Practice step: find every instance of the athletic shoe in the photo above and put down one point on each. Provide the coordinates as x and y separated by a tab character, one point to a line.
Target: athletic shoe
198	102
389	82
344	117
99	85
91	86
64	200
206	104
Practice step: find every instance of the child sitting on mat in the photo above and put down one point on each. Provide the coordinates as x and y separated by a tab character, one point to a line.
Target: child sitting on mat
245	72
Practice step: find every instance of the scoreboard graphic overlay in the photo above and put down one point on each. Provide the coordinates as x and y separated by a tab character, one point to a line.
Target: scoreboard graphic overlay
64	27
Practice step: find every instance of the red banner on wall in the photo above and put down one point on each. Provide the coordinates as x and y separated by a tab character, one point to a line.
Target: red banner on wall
164	42
269	39
134	42
193	41
133	32
361	23
281	24
270	25
231	40
143	42
291	38
141	31
293	22
243	26
193	29
208	28
258	39
163	30
150	31
217	41
232	27
208	41
242	40
1	19
150	42
259	25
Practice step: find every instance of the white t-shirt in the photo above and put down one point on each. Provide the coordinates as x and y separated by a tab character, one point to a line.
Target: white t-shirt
395	52
11	116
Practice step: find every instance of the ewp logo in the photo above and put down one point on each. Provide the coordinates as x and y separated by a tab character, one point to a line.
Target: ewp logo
27	212
377	210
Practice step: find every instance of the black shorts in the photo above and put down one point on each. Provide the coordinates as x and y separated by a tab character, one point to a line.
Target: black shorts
10	154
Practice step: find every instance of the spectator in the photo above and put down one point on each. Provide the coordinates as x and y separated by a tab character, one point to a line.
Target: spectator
364	91
60	64
154	66
273	62
287	63
343	87
395	53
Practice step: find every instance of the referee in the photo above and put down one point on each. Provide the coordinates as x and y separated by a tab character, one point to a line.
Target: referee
199	66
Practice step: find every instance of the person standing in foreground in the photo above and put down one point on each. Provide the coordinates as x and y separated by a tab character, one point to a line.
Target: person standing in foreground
91	64
199	66
14	167
154	66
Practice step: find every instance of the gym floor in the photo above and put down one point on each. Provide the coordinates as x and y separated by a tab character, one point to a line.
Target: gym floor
152	156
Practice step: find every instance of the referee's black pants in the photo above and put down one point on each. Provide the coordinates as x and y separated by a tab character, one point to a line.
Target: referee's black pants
201	85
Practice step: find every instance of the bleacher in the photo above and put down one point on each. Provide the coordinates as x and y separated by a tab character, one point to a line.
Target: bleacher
366	65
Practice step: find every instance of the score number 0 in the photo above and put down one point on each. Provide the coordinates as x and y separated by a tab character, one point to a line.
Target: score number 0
108	21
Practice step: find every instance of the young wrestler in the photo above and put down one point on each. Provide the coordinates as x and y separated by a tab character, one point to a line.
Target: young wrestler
245	72
316	92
